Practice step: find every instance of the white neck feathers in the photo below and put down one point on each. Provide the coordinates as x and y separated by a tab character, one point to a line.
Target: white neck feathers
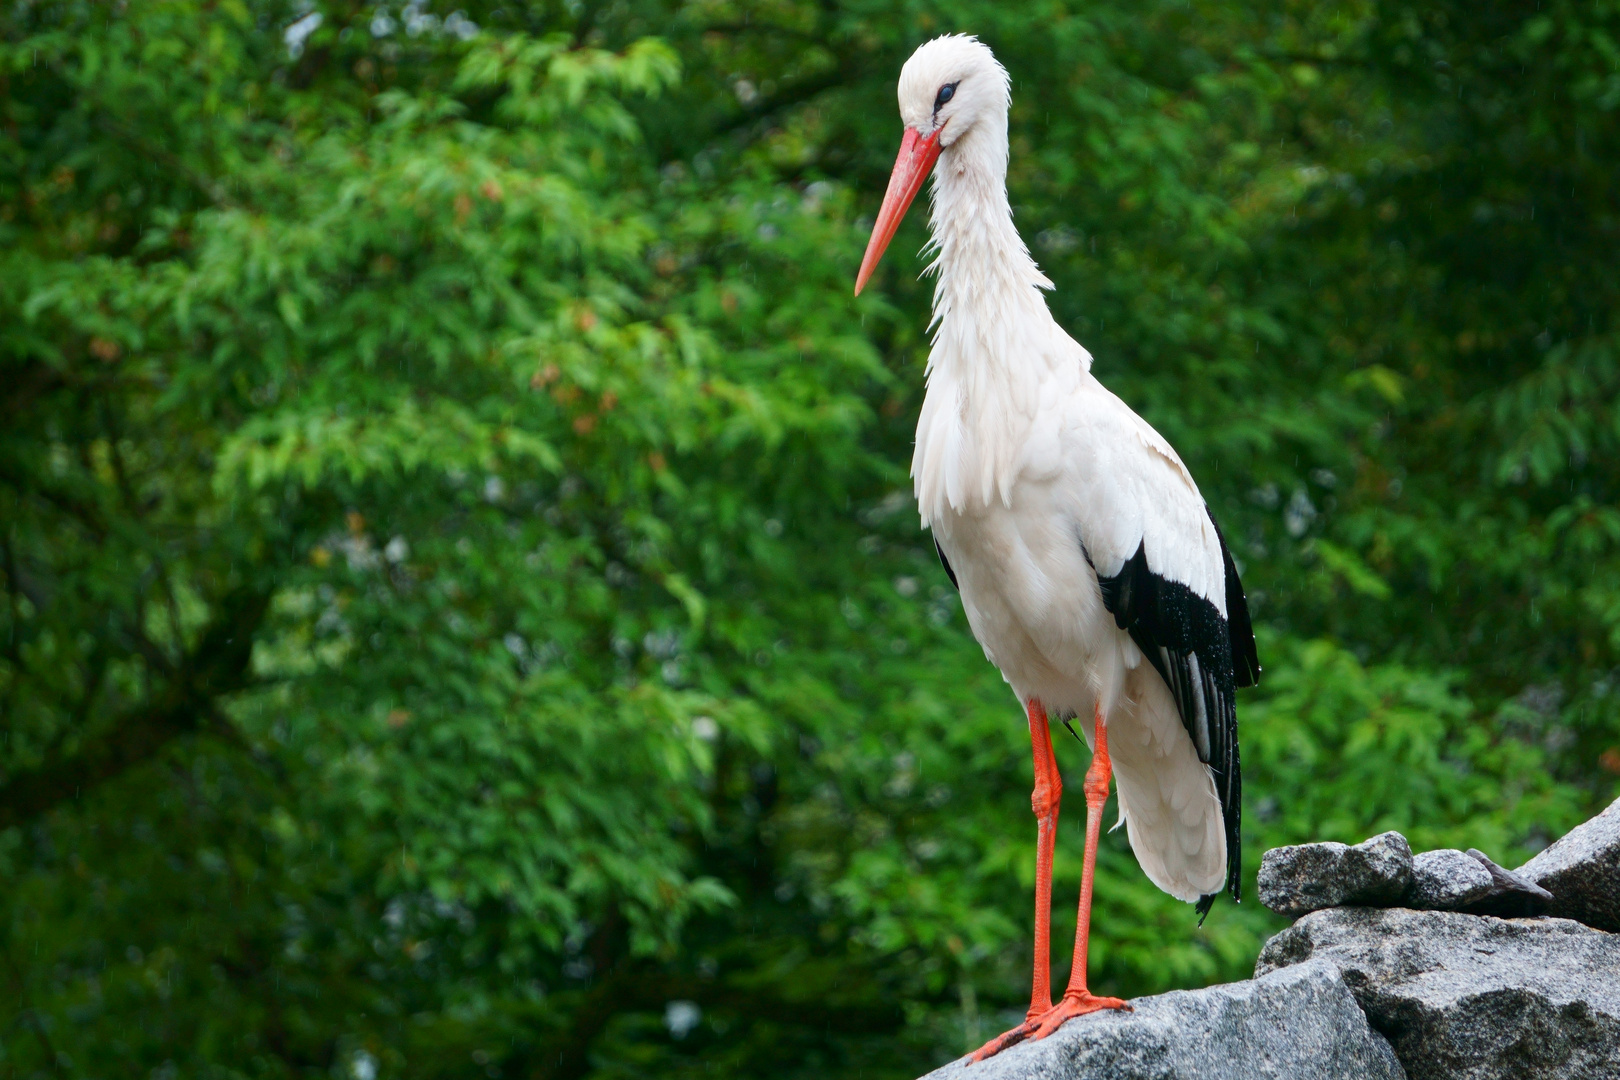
997	351
979	253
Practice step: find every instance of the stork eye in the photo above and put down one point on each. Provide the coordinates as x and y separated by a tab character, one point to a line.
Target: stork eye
946	92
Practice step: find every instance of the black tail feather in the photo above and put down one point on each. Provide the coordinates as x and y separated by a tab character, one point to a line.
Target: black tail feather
1205	902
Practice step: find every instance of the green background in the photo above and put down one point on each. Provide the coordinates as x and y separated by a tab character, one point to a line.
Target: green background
460	591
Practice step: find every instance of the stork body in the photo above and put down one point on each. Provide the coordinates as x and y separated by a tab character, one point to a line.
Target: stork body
1089	567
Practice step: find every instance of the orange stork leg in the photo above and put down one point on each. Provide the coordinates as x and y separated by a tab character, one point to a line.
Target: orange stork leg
1043	1018
1045	801
1077	1000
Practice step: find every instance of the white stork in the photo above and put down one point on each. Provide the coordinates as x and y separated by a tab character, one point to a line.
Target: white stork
1089	567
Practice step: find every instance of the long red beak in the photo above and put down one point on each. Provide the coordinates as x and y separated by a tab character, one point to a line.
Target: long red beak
911	168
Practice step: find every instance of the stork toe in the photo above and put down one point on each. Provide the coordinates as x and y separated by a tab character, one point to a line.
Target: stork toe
1005	1039
1072	1005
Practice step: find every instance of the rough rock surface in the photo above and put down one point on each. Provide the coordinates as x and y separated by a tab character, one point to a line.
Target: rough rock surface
1468	997
1307	877
1447	880
1451	880
1299	1024
1582	871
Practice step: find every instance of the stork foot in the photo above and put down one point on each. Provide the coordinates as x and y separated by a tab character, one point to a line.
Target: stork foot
1073	1004
1042	1025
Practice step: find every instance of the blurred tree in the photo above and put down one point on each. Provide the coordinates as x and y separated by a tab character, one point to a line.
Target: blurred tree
462	606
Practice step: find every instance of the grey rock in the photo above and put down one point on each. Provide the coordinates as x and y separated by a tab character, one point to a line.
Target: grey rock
1582	871
1447	880
1451	880
1299	1024
1510	896
1307	877
1469	997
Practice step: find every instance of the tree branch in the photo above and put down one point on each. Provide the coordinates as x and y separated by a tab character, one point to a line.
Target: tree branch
219	665
206	185
786	98
33	382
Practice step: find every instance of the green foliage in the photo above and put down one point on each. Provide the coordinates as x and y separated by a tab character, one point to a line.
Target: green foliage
461	594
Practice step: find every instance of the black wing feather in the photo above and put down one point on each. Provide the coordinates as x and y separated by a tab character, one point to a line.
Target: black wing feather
1202	658
946	563
1245	658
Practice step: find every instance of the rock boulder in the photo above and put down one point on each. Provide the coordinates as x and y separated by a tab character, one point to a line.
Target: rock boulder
1300	1023
1307	877
1469	997
1582	871
1447	880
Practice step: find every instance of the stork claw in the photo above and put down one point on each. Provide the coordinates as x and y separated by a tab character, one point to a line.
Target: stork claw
1005	1039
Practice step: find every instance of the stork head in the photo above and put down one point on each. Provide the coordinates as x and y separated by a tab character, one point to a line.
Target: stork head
950	86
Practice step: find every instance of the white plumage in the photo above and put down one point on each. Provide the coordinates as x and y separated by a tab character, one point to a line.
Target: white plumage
1034	603
1076	536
